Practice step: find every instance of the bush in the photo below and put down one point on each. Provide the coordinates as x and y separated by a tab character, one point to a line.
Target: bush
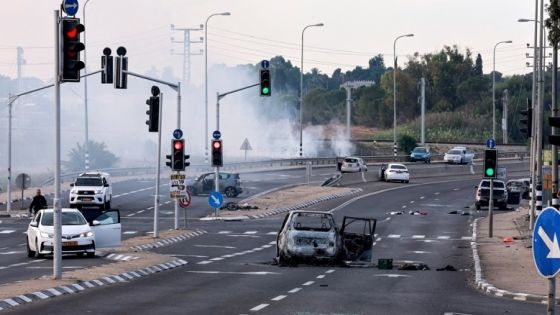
407	143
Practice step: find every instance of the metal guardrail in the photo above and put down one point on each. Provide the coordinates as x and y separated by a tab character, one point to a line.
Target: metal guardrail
264	164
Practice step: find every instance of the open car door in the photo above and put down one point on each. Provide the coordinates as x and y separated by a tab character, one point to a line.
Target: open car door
358	236
106	225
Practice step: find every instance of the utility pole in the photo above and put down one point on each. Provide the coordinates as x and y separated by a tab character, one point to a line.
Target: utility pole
504	116
540	114
187	50
423	110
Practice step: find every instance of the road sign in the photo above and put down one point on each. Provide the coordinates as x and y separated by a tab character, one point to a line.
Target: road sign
216	134
23	181
265	64
501	173
177	134
216	199
185	202
177	186
546	251
491	143
70	7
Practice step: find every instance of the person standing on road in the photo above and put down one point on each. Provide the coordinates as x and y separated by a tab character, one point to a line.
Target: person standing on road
39	202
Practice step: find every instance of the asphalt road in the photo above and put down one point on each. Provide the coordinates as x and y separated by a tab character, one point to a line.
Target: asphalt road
230	268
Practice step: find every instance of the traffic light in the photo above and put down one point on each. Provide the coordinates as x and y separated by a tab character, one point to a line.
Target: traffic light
187	157
153	110
490	163
554	138
71	65
265	82
121	66
168	157
107	66
527	119
178	154
217	155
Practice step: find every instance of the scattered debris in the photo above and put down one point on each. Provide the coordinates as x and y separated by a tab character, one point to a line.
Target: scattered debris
333	180
447	268
508	239
414	266
396	212
416	212
385	263
459	212
235	206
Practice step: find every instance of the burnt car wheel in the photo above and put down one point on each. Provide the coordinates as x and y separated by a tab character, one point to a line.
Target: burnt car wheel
230	192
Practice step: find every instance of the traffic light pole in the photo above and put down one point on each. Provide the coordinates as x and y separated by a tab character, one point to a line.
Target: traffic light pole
158	172
177	88
490	209
57	224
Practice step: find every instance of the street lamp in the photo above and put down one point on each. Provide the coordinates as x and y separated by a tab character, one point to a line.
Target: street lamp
206	83
494	88
86	144
395	93
301	92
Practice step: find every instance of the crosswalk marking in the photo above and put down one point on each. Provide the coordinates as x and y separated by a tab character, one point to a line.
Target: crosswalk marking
443	237
393	236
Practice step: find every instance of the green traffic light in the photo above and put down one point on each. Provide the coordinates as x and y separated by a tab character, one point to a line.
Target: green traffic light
265	90
489	172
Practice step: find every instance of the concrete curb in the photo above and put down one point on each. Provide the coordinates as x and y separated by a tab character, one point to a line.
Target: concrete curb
282	210
168	241
84	285
486	287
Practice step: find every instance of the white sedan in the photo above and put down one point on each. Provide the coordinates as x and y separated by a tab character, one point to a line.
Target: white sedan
396	172
78	237
352	165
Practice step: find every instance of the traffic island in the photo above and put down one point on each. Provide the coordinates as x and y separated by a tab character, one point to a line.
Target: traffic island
144	264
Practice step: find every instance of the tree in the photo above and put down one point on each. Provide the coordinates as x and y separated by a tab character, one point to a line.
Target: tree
477	69
99	157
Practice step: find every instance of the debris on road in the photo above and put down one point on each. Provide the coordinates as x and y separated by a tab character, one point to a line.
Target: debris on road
414	266
396	212
508	239
416	212
232	206
447	268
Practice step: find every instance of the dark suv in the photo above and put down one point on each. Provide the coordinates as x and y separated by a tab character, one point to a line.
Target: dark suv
483	194
204	184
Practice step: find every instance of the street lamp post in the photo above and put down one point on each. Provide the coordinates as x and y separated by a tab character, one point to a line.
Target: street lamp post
301	92
395	93
494	88
86	143
206	83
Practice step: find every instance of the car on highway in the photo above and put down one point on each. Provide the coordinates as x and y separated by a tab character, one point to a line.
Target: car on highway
395	172
314	236
78	237
500	194
420	154
229	184
458	155
353	165
91	189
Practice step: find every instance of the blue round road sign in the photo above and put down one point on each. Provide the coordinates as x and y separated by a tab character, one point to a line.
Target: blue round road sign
217	134
177	134
490	143
216	199
265	64
546	251
70	7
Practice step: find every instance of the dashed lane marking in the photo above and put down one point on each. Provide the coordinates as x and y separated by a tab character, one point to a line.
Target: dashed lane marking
422	197
294	290
130	232
215	246
308	283
466	238
443	237
278	298
259	307
132	214
418	236
250	232
7	231
393	236
272	233
320	276
224	232
330	271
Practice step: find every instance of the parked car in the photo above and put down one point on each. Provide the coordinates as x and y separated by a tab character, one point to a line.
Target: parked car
78	237
229	184
500	194
313	235
395	172
517	189
353	165
420	154
91	189
458	155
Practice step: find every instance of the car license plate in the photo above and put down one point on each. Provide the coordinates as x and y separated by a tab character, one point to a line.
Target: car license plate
71	243
87	199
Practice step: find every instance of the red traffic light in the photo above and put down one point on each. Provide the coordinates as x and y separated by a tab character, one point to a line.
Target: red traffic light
178	144
216	144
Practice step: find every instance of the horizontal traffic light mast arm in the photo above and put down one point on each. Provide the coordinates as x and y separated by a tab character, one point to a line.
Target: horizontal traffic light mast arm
13	98
174	86
220	96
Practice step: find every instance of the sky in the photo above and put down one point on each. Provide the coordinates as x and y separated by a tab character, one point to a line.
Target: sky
353	32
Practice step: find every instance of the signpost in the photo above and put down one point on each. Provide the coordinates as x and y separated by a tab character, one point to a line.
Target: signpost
70	7
491	143
177	186
216	200
246	146
23	181
546	250
216	134
178	134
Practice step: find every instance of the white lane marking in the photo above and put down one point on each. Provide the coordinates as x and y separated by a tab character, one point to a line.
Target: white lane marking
390	275
224	232
272	243
422	197
404	206
214	246
149	208
251	232
140	211
252	273
204	262
10	253
259	307
453	313
217	258
18	264
308	283
266	246
418	236
130	232
443	237
436	193
132	214
272	233
456	189
330	271
7	231
412	201
419	252
393	236
278	298
243	235
294	290
466	238
320	276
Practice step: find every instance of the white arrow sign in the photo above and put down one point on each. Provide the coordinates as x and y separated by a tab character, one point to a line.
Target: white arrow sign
216	200
552	245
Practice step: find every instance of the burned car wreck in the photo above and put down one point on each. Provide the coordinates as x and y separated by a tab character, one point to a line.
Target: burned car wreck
313	236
